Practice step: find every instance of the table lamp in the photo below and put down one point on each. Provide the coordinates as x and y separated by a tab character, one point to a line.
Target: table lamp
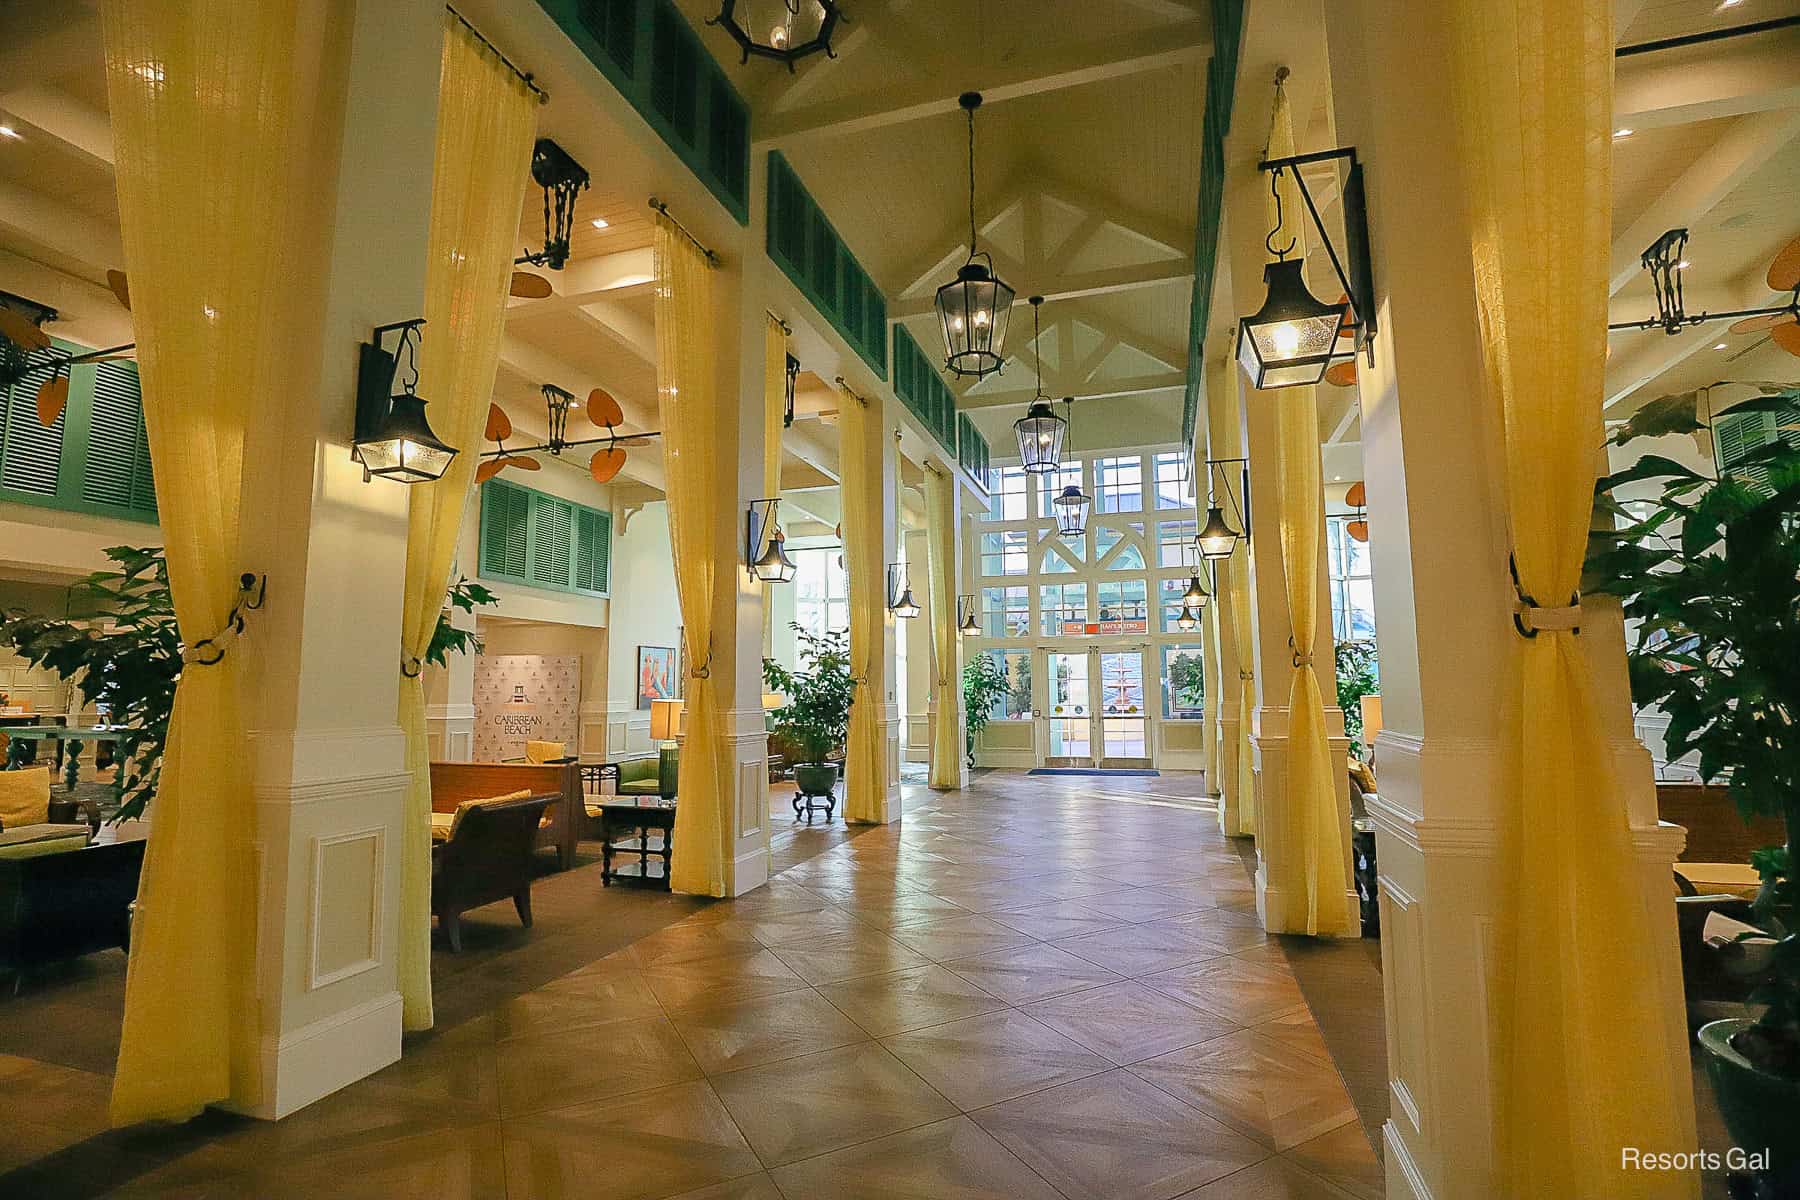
1371	716
665	727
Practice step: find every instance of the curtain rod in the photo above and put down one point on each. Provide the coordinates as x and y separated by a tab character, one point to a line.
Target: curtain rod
542	95
845	387
1709	35
662	208
785	327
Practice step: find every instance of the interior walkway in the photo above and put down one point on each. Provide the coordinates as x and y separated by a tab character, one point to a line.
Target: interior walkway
1040	987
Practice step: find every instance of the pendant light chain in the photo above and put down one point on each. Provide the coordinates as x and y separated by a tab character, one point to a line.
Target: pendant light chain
970	113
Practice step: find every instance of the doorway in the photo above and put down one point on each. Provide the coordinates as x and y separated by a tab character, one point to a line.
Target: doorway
1094	714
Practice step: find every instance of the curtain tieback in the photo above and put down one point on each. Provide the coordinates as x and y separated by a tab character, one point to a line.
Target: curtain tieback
1247	676
210	651
1300	660
704	670
411	667
1531	618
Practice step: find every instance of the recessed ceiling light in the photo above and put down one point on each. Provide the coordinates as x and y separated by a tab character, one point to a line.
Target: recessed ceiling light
1682	265
599	222
9	131
1720	346
1621	133
1725	4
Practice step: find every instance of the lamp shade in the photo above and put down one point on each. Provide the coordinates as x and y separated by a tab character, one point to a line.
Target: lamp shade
665	719
771	701
783	30
405	448
1196	595
974	310
774	566
1216	539
906	606
1288	342
969	624
1188	621
1371	717
1040	432
1072	506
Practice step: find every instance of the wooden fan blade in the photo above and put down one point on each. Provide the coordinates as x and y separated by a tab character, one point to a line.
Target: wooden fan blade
1347	322
17	329
488	469
121	287
1758	324
1358	531
1784	272
524	464
1341	374
527	286
1788	338
633	441
499	425
606	463
1357	496
51	398
602	409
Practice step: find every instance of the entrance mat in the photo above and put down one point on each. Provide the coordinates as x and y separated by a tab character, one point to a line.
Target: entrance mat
1091	771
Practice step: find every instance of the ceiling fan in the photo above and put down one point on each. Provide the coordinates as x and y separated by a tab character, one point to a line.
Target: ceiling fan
602	409
561	177
26	348
1665	261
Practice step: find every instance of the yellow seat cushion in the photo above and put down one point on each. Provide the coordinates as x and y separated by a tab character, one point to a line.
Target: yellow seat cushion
457	816
1711	879
24	797
542	752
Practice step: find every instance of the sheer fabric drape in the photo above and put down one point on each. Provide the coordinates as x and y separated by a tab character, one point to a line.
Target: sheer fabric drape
208	117
486	119
859	460
774	412
1572	987
699	498
946	664
1224	406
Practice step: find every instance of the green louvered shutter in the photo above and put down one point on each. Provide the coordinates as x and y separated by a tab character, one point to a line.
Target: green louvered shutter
118	459
593	550
552	535
505	531
30	452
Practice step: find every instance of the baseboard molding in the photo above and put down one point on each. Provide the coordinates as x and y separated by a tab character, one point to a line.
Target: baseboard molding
750	871
1404	1179
312	1062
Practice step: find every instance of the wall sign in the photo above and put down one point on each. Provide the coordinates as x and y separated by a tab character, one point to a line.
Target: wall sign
523	698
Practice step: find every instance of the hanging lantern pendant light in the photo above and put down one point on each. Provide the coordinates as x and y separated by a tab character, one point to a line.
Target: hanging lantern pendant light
1040	431
975	307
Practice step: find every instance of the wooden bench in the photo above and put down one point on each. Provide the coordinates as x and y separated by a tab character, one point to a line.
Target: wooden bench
453	782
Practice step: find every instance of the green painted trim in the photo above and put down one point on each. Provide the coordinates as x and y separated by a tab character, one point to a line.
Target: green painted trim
849	272
536	506
635	21
1221	86
72	463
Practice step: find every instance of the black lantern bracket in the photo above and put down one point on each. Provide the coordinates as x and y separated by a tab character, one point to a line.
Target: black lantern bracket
376	372
562	178
759	530
1241	512
1358	280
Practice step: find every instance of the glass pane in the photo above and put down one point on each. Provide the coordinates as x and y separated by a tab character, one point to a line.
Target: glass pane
1170	592
1172	540
1062	609
1182	682
1360	594
1015	705
1122	682
1124	737
1105	539
1054	564
1128	559
1070	727
1174	485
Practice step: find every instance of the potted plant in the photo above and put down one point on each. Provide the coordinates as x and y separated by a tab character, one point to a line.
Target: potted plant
984	685
816	717
1708	567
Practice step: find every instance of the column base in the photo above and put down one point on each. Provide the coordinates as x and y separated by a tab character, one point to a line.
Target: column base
334	1052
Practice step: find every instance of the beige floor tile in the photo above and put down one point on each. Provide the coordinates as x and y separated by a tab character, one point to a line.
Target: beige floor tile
1140	949
1343	1157
595	1000
897	910
1141	905
1260	1088
823	1102
848	955
1271	1179
960	937
1115	1137
1057	920
984	1060
1128	1022
1031	973
911	999
692	942
552	1071
1297	1031
656	1143
950	1160
760	1186
1242	992
734	977
748	1033
460	1163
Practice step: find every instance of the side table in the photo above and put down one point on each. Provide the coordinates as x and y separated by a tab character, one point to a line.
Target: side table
626	823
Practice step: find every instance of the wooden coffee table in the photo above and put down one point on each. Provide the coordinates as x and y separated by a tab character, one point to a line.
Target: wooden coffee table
626	823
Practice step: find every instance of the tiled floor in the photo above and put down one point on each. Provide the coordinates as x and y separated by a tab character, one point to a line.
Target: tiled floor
1041	987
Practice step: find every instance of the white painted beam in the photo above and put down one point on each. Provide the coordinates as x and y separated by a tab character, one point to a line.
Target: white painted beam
60	116
1072	286
1640	356
61	227
1753	74
1163	381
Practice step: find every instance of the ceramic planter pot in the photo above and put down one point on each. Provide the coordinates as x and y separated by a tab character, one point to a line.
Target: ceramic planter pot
816	779
1761	1111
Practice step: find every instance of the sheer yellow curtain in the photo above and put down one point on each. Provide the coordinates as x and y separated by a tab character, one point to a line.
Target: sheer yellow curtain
486	118
946	694
1224	408
1314	873
688	401
208	116
774	412
859	464
1572	982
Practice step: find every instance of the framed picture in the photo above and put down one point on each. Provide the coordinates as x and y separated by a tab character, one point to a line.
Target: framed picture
656	674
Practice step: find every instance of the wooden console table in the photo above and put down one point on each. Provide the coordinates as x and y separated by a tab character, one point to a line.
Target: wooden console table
69	739
626	823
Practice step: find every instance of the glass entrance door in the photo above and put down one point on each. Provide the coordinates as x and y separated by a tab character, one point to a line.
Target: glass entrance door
1069	710
1124	735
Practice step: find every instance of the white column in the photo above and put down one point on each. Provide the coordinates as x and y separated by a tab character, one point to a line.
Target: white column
1223	439
916	712
890	553
327	754
1431	462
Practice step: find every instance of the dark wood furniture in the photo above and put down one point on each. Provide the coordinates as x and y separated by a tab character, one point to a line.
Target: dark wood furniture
626	825
488	858
1716	831
70	903
807	803
452	783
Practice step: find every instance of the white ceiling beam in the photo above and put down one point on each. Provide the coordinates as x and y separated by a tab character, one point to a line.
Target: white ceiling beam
61	227
926	269
1067	286
1757	73
614	276
809	443
1162	381
1176	239
1639	357
1079	63
1744	148
60	116
1624	13
86	312
1174	10
623	326
46	41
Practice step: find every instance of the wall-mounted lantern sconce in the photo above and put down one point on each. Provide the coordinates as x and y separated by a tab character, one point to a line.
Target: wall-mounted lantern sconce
900	593
1292	339
1189	620
965	615
1196	596
393	438
764	554
1217	539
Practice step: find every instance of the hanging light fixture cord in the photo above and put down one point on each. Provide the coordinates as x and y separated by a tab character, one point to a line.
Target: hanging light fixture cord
970	112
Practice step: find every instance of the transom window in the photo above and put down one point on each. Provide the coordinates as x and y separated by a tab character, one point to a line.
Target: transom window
1006	611
1174	482
1008	488
1006	553
1061	605
1172	539
1119	484
1123	600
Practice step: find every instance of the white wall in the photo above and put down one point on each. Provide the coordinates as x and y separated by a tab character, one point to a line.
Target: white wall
645	612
